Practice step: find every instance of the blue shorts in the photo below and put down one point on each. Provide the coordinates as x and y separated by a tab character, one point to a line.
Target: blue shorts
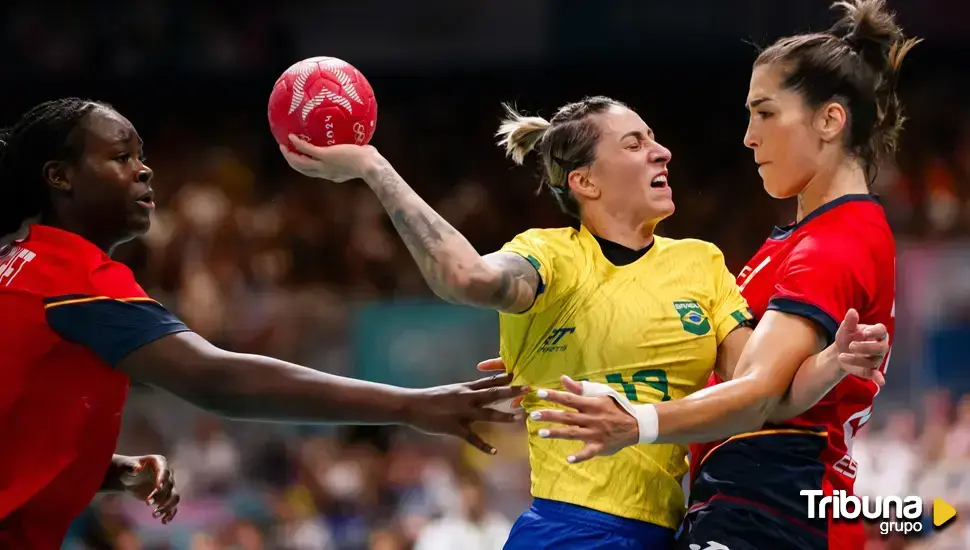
549	524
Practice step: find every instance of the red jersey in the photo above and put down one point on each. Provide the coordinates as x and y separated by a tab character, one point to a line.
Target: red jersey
840	256
70	314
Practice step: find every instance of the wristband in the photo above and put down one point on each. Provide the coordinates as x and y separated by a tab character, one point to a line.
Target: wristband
646	415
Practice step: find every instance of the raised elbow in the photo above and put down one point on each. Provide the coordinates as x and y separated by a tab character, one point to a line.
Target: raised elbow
475	285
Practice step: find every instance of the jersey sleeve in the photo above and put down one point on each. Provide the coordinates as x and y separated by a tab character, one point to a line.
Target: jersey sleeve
550	255
730	308
114	318
820	280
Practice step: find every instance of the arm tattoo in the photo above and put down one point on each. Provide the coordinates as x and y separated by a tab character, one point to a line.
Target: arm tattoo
440	251
517	286
450	264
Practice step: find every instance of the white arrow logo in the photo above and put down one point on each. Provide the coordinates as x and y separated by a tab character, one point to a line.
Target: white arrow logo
303	69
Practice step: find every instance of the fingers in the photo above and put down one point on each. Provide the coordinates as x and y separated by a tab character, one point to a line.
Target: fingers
304	147
880	348
850	322
876	332
475	441
167	510
561	417
503	379
496	364
163	476
567	399
879	378
572	385
571	433
494	395
586	453
297	162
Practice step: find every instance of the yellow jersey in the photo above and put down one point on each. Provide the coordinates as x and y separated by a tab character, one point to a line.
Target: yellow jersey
650	329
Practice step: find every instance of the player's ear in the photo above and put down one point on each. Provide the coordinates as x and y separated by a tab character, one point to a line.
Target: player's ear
57	175
830	120
581	184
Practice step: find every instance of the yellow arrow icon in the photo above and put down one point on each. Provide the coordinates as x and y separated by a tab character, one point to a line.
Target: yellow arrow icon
942	512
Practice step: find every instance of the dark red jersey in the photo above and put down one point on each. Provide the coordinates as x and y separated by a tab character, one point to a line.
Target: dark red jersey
70	314
841	256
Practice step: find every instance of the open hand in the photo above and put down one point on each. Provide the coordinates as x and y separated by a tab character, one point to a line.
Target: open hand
862	348
150	479
602	418
452	409
337	163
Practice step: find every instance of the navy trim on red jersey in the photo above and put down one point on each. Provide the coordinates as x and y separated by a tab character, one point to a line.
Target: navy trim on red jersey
782	233
111	328
825	321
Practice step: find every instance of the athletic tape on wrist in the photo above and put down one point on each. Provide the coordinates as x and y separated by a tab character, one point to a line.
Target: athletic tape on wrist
646	415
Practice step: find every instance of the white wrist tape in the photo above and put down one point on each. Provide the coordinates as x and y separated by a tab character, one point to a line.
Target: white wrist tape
646	415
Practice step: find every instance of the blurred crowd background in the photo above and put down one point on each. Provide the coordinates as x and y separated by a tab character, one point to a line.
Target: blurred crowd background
260	259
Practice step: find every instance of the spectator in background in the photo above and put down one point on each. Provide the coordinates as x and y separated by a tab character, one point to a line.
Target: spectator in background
888	461
472	527
208	463
957	445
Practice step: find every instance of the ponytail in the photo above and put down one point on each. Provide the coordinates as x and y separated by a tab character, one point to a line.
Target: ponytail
872	32
519	134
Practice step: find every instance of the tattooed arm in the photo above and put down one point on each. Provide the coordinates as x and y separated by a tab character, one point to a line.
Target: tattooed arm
454	270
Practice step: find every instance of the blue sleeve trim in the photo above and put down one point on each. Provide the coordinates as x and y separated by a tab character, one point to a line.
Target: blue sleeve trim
111	328
825	321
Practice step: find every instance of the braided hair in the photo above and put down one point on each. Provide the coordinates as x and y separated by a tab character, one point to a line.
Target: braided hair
44	133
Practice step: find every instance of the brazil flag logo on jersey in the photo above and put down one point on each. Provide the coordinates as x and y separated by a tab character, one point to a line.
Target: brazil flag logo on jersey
692	317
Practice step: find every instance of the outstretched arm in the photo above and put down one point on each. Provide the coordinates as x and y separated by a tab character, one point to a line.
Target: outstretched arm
765	370
253	387
607	422
452	267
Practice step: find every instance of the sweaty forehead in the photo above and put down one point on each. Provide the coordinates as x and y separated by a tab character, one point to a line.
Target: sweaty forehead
619	121
106	126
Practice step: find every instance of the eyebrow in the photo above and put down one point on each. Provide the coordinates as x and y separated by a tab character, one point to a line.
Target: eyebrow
637	134
755	102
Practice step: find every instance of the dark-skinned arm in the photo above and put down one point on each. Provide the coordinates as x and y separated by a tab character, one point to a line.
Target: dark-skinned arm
254	387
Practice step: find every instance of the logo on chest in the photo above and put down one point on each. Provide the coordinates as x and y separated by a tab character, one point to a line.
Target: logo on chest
554	341
692	317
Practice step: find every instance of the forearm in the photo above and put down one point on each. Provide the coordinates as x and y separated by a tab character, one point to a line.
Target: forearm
449	263
253	387
727	409
112	477
816	377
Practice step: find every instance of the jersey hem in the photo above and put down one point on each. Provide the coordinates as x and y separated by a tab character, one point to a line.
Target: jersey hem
607	506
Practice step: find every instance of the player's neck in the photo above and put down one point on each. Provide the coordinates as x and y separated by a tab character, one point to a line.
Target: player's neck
71	225
847	178
635	236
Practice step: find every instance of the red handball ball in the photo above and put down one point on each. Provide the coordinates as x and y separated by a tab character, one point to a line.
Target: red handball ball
323	100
